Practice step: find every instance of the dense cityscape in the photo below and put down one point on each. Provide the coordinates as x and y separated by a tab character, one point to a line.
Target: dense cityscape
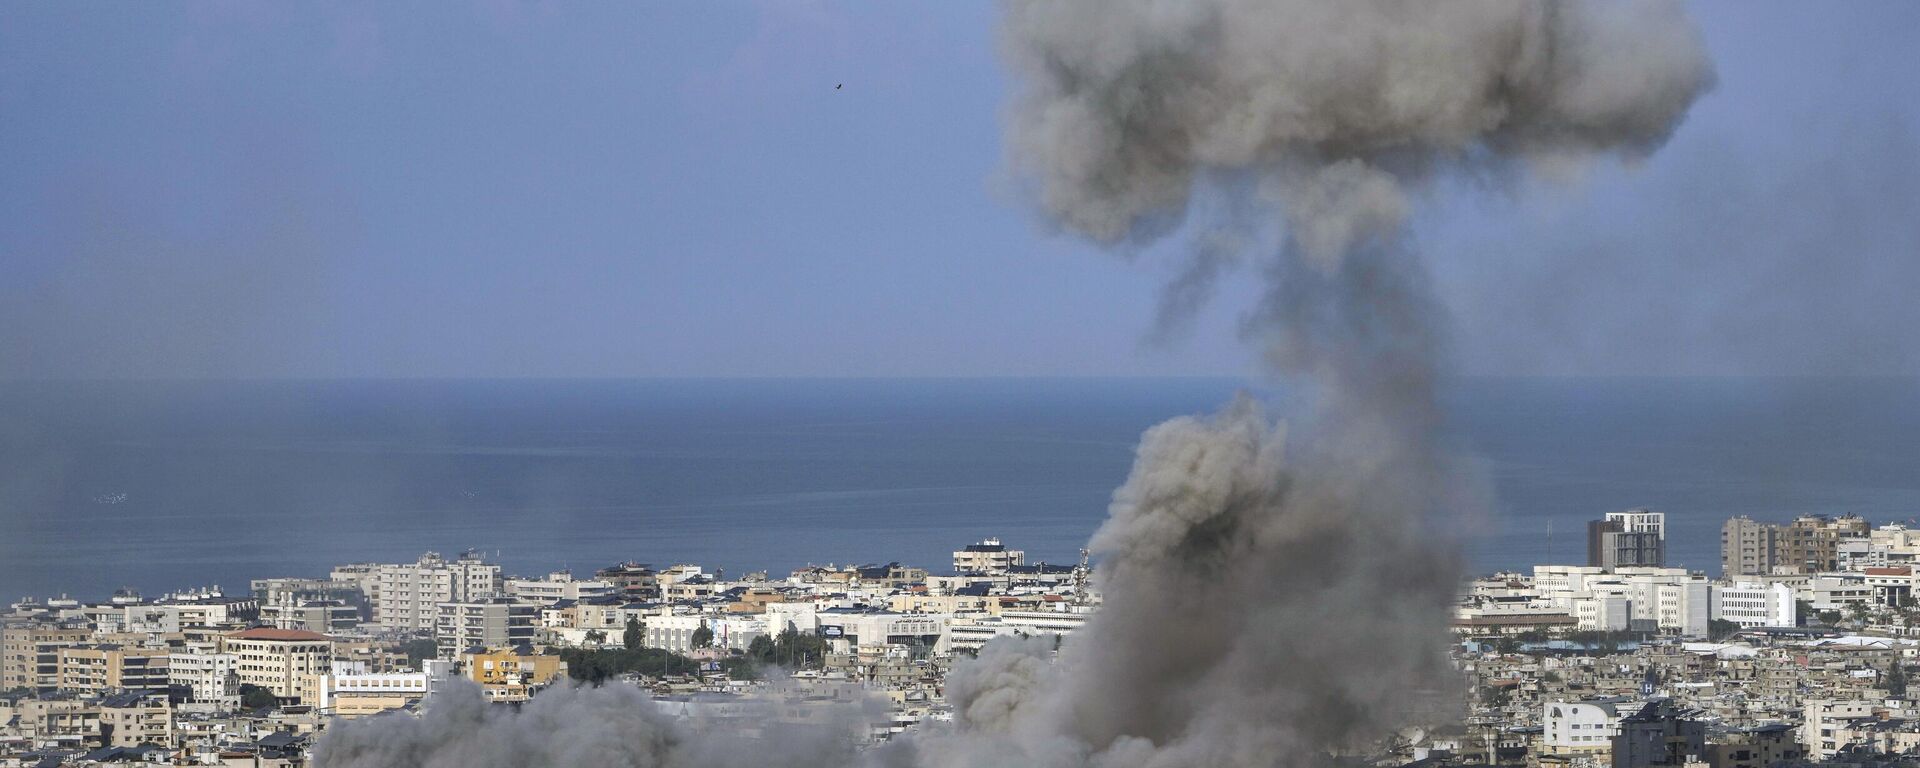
1796	653
1357	296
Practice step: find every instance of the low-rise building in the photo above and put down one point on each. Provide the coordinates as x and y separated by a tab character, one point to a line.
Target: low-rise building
1755	605
1659	734
136	718
1580	726
513	674
1758	747
362	694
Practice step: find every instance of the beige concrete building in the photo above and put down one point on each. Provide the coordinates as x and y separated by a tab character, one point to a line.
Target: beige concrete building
133	719
513	674
359	695
108	668
987	557
29	654
1809	544
284	661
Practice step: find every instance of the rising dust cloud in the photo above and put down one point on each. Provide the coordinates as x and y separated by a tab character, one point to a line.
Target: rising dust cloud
1272	595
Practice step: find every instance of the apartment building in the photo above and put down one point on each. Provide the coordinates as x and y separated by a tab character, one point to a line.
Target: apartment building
105	668
1756	747
407	595
1660	734
1823	719
512	674
557	586
1809	544
634	581
136	718
209	677
491	623
284	661
323	616
30	654
988	557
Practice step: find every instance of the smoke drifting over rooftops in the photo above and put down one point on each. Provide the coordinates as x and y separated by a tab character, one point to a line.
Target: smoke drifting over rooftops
1310	587
1271	595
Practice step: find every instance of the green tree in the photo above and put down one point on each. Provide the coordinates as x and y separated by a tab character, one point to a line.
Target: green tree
761	649
634	638
797	651
596	636
1895	680
419	650
1829	618
256	697
702	637
1721	629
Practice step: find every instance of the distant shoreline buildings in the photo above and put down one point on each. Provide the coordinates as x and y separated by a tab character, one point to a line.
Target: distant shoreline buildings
1622	661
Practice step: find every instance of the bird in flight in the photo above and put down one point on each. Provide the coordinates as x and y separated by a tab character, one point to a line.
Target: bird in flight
838	86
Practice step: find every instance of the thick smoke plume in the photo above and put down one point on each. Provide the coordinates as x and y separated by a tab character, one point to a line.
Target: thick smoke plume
1271	596
1270	601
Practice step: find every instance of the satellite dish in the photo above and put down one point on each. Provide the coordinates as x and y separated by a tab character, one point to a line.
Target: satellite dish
1413	734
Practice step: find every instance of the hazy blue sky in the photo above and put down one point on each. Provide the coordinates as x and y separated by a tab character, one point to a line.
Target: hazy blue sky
505	189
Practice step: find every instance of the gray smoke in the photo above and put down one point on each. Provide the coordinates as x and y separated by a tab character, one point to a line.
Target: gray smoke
1272	595
615	725
1277	595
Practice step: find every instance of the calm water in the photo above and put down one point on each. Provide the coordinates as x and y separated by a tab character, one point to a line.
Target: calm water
164	485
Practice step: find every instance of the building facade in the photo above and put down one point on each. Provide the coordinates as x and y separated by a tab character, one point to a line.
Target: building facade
988	557
104	668
407	595
1809	544
287	662
1755	605
30	654
209	677
1634	538
492	623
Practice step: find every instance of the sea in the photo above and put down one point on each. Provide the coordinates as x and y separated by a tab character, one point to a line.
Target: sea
160	486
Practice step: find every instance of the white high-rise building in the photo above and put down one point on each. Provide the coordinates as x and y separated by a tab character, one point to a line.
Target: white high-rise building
1640	521
408	595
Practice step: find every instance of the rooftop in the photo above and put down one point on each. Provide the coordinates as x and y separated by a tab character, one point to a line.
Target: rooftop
270	633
